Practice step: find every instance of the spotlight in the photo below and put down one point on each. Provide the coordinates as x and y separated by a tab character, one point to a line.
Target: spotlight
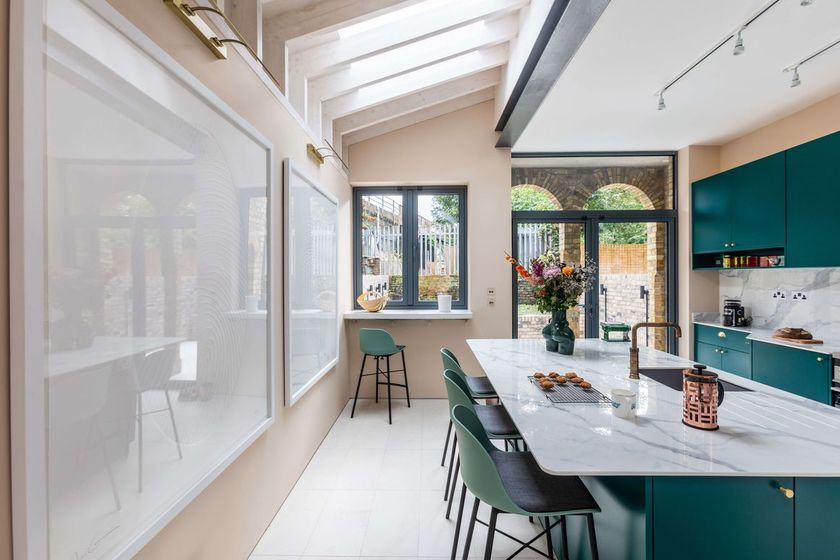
661	101
795	81
739	44
806	2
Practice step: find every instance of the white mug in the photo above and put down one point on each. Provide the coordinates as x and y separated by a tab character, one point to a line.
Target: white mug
444	303
623	403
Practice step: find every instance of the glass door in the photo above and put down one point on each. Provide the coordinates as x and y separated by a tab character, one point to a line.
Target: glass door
531	239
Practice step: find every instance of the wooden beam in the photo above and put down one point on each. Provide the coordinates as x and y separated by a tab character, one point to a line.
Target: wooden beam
417	116
247	17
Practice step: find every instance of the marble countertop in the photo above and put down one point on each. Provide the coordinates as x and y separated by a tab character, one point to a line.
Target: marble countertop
767	432
765	334
407	315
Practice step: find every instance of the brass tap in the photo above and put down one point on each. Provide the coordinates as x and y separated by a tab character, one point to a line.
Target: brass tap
634	343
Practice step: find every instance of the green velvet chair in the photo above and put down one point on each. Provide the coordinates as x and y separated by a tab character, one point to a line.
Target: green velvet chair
479	388
379	344
495	419
513	483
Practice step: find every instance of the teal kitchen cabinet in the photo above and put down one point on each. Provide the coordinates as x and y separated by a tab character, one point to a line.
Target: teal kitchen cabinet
725	518
816	533
723	348
801	372
813	203
742	209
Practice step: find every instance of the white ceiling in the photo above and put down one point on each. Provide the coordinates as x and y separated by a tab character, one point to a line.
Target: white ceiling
606	97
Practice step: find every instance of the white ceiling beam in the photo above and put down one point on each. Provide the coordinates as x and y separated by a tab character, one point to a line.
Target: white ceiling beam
406	84
412	57
417	116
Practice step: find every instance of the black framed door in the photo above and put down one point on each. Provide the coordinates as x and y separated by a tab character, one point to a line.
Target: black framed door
636	257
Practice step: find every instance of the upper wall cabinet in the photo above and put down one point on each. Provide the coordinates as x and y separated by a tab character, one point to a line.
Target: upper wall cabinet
813	203
742	209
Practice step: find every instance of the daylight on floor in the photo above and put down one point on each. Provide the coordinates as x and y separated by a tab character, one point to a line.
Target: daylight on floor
420	280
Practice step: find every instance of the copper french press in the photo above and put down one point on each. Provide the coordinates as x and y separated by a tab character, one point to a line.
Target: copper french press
702	395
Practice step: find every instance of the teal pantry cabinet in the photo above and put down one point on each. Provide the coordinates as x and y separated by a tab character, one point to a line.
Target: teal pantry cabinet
801	372
813	203
742	209
722	348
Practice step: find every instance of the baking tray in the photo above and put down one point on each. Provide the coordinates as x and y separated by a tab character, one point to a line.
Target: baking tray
570	393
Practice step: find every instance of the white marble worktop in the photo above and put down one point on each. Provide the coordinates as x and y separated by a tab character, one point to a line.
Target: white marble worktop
763	433
764	334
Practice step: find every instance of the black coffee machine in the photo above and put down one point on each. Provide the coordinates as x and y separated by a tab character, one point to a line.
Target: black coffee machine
735	314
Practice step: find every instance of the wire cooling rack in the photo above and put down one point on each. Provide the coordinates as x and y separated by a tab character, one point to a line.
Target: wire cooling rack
571	393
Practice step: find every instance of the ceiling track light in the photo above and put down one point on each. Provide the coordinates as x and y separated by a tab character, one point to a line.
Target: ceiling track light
794	80
806	2
661	105
739	44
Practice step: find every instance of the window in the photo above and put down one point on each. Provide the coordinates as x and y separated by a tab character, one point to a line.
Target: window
410	243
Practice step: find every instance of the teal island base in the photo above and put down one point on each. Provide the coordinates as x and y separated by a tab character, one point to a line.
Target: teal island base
703	517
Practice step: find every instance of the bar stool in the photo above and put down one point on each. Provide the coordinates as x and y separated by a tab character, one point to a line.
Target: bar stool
479	388
512	482
378	344
494	418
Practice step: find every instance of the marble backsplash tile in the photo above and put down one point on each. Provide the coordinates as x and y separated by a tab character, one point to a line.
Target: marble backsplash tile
820	313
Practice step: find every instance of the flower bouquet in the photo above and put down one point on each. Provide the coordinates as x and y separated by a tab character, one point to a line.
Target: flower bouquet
558	286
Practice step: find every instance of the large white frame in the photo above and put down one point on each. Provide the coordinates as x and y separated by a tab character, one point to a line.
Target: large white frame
27	272
291	398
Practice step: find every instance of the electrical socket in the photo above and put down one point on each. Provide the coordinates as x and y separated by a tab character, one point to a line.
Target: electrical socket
799	296
778	294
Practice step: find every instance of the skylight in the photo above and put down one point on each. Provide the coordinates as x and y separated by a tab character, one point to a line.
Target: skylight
391	17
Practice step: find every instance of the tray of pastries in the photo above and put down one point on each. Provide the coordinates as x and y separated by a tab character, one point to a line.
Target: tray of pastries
567	388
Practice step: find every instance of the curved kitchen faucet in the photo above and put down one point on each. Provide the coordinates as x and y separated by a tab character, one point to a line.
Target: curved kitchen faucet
634	343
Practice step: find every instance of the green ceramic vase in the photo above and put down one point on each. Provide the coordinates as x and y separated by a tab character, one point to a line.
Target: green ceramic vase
558	336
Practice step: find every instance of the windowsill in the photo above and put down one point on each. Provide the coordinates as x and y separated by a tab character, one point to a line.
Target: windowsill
407	314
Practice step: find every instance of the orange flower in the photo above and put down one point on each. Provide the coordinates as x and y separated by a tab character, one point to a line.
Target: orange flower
567	270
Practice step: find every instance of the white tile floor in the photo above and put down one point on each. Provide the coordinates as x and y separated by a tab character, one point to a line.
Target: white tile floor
376	491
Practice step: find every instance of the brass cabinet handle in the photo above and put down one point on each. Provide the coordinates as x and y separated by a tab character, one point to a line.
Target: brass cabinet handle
820	359
723	351
721	334
786	492
731	244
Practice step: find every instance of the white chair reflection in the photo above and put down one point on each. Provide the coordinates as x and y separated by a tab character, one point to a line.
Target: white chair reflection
77	401
153	374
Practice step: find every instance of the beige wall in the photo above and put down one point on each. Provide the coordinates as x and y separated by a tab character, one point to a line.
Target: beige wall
456	149
812	122
5	481
228	518
697	291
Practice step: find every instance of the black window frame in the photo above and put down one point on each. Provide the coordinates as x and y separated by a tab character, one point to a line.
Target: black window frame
411	253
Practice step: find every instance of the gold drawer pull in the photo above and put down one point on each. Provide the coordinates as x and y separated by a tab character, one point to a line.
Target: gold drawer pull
786	492
820	359
721	334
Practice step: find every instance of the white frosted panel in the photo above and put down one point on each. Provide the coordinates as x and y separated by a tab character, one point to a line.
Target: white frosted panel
157	288
311	282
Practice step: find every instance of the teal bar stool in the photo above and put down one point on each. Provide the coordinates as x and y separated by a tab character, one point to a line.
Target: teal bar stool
479	388
512	482
493	417
379	345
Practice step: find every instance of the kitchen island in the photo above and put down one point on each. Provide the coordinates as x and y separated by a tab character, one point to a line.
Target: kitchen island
765	485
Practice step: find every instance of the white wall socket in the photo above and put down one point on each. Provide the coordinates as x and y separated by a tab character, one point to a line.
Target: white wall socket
779	294
799	296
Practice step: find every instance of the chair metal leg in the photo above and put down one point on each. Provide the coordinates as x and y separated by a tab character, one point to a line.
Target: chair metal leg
458	521
593	543
565	536
550	548
405	376
451	464
452	486
378	372
446	445
358	385
491	534
470	530
174	427
140	441
388	367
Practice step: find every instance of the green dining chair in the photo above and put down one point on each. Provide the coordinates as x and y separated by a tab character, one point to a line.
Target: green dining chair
495	419
513	483
479	388
379	344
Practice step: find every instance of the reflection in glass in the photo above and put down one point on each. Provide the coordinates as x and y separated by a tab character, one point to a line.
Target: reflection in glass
437	236
534	239
382	244
156	369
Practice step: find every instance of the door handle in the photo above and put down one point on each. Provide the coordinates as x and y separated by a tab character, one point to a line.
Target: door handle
786	492
721	334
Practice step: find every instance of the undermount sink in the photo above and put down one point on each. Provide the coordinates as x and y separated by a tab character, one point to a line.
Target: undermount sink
672	378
